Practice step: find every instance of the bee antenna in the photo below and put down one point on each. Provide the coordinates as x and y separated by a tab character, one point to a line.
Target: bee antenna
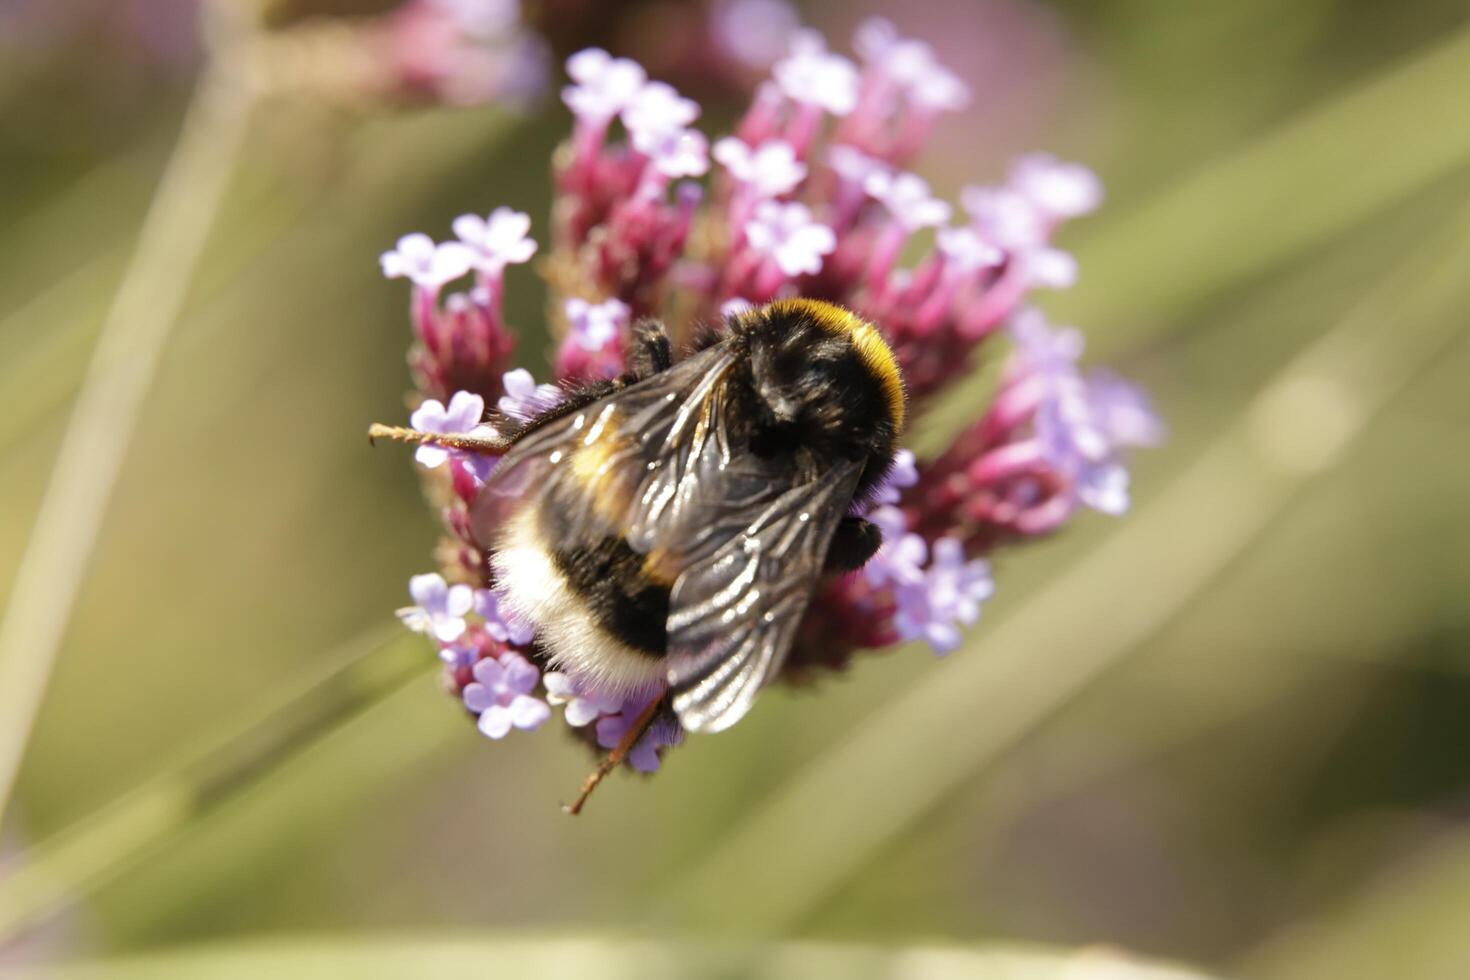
617	755
483	445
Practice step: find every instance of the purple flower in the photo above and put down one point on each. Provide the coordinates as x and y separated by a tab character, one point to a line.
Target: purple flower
814	76
1073	434
644	756
899	561
501	695
500	626
658	108
788	234
496	241
429	266
903	472
1123	411
769	170
852	164
1004	217
583	705
907	198
592	326
753	32
482	18
440	608
735	307
911	65
1050	268
605	85
524	398
461	417
674	152
455	656
966	251
1061	190
950	595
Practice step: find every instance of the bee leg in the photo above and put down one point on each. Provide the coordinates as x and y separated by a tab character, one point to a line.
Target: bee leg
484	445
853	544
617	755
649	350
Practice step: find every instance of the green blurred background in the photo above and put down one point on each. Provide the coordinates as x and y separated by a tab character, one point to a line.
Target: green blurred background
1230	730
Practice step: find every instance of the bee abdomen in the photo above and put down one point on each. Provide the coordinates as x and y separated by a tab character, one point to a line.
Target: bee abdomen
620	595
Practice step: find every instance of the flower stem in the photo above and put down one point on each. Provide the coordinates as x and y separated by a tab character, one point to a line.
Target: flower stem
94	445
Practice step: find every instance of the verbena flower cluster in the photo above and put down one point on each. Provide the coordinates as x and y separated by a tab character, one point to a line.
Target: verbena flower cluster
810	196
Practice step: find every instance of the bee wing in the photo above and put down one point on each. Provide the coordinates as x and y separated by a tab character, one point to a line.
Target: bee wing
641	463
654	463
734	613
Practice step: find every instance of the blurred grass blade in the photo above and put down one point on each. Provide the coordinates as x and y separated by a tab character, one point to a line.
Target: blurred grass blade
603	957
89	853
90	457
1408	923
906	758
1292	190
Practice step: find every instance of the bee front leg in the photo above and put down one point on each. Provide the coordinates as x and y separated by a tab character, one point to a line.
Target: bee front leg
649	350
854	542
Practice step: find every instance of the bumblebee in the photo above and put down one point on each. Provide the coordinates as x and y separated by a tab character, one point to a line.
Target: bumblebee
668	528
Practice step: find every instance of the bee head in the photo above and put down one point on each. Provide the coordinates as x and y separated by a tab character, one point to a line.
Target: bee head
824	378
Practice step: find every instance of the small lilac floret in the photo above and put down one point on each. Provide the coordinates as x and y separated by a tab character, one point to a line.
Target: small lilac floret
788	234
812	75
852	164
498	622
910	64
1061	190
605	85
908	198
1123	411
966	251
899	560
1004	217
460	418
1049	268
524	398
902	473
440	608
770	169
595	325
583	704
951	594
674	152
496	241
658	108
1080	427
483	19
753	32
427	265
736	307
644	755
501	695
456	657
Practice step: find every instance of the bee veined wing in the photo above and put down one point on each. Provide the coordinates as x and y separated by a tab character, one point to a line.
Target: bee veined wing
642	463
733	614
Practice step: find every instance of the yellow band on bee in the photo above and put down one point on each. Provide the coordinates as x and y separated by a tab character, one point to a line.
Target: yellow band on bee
876	355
